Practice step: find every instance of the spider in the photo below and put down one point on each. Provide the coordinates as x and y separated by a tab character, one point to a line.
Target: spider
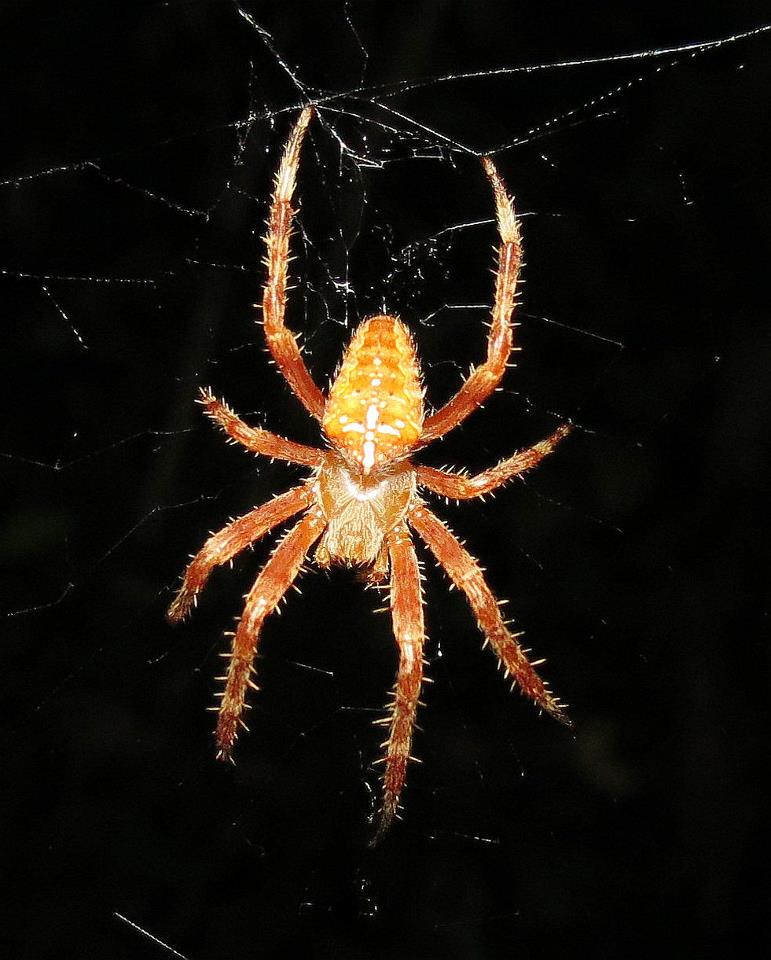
362	498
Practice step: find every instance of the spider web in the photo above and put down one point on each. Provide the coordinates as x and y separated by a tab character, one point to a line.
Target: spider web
135	188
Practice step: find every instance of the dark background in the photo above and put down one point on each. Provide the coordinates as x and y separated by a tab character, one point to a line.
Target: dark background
134	189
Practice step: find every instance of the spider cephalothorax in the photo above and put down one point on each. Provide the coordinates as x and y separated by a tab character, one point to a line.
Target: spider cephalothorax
362	498
373	417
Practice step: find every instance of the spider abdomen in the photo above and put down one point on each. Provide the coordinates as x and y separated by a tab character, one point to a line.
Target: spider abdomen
374	412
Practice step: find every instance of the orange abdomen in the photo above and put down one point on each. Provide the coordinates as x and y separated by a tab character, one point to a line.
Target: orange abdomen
374	412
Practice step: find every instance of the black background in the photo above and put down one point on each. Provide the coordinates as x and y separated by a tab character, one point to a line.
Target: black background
133	194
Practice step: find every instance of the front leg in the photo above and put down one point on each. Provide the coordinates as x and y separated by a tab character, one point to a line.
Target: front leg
407	613
456	486
465	573
274	580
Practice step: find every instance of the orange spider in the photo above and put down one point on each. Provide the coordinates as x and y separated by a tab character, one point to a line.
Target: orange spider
362	497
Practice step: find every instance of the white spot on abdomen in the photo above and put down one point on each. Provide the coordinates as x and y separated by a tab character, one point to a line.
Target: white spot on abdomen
373	415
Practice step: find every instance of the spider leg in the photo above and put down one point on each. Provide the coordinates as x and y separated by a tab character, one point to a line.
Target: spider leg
460	487
467	576
231	540
281	342
407	613
256	439
274	580
483	380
